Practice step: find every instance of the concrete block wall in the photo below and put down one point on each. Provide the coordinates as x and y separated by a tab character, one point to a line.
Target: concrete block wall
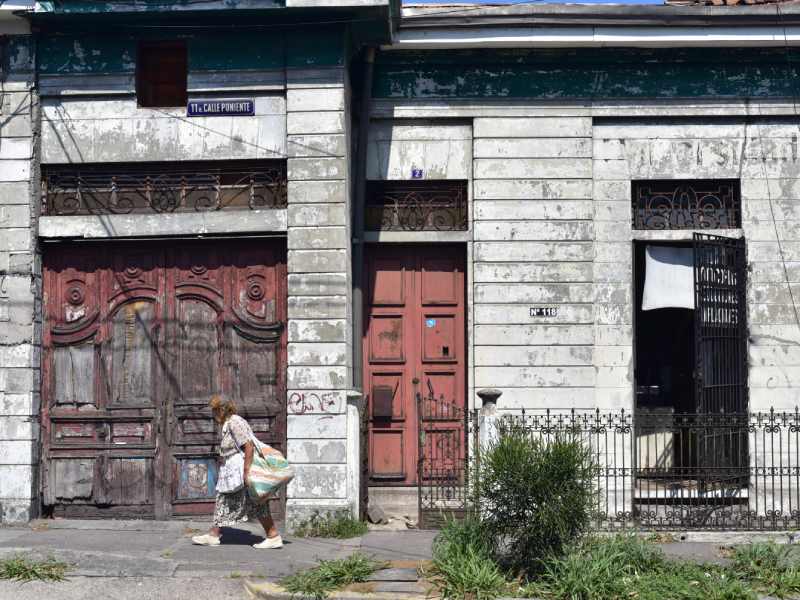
534	247
20	288
319	369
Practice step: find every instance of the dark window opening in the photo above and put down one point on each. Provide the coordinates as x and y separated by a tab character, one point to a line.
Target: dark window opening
161	74
686	204
431	205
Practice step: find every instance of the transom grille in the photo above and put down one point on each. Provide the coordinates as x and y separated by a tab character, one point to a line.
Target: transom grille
433	205
163	187
686	204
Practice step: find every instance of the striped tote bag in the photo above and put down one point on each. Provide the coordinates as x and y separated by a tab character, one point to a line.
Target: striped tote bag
268	471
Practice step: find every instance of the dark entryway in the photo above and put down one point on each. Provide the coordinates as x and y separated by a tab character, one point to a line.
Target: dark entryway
691	420
137	337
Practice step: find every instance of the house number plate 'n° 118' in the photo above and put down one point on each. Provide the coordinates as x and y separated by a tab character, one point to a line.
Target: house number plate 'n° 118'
544	311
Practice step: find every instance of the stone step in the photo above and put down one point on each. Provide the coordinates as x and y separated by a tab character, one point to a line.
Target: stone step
394	575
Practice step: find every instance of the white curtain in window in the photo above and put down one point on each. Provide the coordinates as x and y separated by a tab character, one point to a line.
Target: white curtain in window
669	278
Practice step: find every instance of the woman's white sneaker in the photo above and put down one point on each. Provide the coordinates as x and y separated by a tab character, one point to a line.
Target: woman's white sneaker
270	543
206	540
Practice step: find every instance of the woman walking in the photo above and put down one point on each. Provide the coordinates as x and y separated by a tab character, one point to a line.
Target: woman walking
237	506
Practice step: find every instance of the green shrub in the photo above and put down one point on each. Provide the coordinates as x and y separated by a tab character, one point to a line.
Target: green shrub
339	525
462	566
331	575
535	497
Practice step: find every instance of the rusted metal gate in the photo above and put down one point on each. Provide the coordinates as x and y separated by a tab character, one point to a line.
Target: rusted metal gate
137	337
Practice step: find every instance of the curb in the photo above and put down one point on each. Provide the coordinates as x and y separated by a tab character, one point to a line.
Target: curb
272	591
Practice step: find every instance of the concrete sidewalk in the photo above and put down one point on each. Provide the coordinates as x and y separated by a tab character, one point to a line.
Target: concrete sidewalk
156	559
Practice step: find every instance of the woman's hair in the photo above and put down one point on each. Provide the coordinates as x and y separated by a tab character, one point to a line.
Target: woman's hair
225	406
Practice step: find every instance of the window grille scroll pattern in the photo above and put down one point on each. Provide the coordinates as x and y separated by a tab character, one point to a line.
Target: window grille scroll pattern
686	204
433	205
163	188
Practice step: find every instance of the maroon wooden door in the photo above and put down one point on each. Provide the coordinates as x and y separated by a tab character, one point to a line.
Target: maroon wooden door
413	343
137	338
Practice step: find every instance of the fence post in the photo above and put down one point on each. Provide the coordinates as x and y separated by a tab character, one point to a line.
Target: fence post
487	423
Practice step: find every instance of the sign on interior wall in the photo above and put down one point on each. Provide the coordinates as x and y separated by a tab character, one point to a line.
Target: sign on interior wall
220	108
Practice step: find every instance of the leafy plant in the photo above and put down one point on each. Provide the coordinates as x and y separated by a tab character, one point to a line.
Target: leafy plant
22	568
462	566
339	525
772	568
536	496
331	575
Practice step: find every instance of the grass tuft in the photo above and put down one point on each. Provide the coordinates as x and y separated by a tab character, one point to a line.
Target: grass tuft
338	525
331	575
770	568
22	568
627	566
462	566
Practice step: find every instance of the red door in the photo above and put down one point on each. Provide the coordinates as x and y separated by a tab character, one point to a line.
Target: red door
137	338
413	344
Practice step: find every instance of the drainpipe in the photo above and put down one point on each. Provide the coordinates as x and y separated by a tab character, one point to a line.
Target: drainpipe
358	219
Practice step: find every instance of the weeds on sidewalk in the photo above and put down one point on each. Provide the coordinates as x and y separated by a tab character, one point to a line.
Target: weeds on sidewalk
22	568
462	566
331	575
626	566
769	567
338	525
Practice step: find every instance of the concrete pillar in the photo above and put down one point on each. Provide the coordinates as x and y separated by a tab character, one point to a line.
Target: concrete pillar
320	338
20	292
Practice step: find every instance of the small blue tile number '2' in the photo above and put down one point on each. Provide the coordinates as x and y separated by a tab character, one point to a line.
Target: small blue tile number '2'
416	173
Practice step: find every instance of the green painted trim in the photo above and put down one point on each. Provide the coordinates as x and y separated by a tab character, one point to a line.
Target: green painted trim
606	73
19	57
245	50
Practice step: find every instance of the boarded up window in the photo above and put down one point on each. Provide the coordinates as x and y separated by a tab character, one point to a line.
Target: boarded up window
73	368
161	74
131	353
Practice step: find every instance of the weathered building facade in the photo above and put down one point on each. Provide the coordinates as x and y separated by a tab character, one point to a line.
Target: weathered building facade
295	204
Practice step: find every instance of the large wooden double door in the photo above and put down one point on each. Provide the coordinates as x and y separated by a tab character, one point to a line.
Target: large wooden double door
137	338
414	353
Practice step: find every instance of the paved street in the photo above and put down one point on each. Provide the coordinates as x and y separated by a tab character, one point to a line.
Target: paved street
156	560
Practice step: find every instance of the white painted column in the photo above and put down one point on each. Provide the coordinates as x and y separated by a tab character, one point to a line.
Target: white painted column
319	352
20	294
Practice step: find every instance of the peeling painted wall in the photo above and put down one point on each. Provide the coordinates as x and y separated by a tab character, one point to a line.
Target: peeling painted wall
20	289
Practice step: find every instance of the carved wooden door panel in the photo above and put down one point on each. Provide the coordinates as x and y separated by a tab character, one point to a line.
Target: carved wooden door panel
103	361
227	336
137	338
414	348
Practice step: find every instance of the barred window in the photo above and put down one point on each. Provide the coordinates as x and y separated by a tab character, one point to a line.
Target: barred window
686	204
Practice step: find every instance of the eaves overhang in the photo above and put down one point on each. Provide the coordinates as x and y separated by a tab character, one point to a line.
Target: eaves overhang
373	19
574	25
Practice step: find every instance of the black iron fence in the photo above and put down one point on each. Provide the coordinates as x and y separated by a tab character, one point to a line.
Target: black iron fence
654	469
661	470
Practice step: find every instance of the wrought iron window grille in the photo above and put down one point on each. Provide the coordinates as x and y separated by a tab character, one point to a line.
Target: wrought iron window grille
432	205
163	188
686	204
